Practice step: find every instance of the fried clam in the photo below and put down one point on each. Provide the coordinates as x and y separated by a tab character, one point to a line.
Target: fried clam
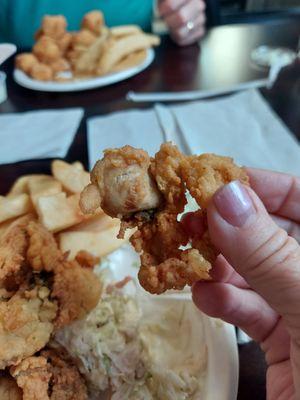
40	291
50	375
149	194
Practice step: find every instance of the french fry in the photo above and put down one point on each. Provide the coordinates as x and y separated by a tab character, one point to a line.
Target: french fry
132	60
72	177
43	186
116	50
97	243
14	206
124	30
96	223
87	61
58	212
21	184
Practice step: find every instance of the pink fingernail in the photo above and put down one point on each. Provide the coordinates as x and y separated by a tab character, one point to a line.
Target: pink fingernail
234	203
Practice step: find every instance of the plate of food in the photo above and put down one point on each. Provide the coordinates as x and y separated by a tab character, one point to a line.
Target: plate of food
92	57
73	302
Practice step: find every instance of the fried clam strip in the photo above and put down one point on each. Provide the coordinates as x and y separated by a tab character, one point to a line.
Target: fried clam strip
117	183
75	288
49	376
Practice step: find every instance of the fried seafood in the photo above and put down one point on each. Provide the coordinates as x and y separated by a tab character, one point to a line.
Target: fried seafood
41	72
49	376
121	183
26	324
46	50
13	247
74	288
93	21
40	290
32	376
26	61
149	194
54	26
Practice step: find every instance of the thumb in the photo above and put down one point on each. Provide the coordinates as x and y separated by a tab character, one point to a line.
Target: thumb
260	251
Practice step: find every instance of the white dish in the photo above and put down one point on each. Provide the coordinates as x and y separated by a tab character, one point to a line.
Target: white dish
220	338
77	85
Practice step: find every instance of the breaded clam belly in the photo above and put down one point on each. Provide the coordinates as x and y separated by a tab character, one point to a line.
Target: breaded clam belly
122	184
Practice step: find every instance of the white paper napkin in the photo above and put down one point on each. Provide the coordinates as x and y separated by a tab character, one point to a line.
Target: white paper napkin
37	134
242	126
136	128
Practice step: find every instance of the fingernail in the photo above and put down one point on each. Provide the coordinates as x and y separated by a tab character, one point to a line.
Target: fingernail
234	203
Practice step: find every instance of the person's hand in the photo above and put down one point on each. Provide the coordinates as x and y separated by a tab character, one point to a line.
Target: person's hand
258	287
184	18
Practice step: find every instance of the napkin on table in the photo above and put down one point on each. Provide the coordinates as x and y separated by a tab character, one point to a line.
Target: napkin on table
242	126
37	134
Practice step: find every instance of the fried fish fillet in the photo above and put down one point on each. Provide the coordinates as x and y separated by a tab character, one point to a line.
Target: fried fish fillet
149	194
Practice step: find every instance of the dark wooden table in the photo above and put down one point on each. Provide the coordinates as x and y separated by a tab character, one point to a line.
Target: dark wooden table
223	58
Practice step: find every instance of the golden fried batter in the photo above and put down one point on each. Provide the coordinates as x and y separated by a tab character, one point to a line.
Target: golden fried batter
49	376
42	252
54	26
46	50
86	259
76	289
122	183
206	173
84	37
40	290
41	72
26	61
125	177
13	245
66	381
93	21
32	376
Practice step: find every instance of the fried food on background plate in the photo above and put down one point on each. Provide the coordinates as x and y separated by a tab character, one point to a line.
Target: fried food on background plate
94	50
149	194
93	21
50	375
26	61
54	26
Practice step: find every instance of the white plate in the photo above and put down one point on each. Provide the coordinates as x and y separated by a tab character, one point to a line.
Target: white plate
22	79
220	338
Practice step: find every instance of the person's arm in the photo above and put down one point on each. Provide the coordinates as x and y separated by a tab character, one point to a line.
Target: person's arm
256	281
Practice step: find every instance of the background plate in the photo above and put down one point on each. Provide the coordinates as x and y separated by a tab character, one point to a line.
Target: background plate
22	79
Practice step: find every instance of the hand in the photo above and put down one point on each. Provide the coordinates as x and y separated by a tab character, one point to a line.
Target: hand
185	19
256	281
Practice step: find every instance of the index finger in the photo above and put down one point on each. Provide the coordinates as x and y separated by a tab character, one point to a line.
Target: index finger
279	192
